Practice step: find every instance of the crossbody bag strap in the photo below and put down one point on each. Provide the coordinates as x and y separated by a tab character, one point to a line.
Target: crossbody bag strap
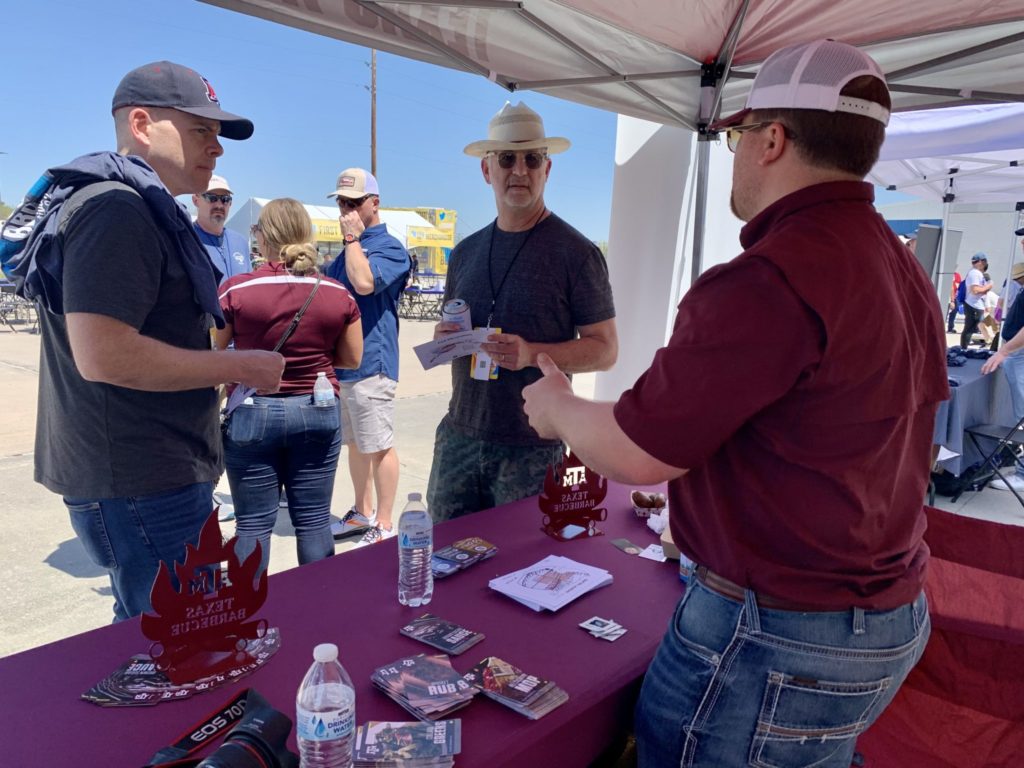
298	316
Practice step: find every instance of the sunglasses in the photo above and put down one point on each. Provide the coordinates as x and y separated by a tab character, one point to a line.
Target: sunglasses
255	228
210	197
533	160
733	135
346	202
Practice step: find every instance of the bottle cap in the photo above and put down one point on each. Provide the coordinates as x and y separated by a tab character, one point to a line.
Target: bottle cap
325	652
416	496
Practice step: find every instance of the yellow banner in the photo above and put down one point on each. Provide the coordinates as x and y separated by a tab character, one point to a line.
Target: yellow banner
424	237
327	231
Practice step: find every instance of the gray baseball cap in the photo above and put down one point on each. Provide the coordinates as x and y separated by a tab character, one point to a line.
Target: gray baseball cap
166	84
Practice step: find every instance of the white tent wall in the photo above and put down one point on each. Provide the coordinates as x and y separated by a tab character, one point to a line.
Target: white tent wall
648	257
645	252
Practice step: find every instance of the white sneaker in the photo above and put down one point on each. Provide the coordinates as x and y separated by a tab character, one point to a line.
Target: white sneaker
1015	480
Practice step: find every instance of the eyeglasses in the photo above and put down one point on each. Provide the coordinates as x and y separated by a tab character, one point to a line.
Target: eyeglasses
533	160
210	197
734	134
255	228
347	202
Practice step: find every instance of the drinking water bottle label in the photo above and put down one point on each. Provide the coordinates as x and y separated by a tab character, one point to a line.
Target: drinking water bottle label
323	726
415	537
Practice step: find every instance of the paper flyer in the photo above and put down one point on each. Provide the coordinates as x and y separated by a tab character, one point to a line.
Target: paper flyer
460	344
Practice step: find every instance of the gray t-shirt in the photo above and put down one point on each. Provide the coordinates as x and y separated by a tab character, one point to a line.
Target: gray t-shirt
545	283
102	441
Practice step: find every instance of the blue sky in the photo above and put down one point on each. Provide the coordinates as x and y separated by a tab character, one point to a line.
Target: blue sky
308	96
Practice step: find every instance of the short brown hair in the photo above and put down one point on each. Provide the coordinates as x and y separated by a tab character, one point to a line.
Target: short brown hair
836	140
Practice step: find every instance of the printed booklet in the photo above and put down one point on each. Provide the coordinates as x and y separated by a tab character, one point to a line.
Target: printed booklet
552	583
427	686
441	634
407	745
460	555
526	694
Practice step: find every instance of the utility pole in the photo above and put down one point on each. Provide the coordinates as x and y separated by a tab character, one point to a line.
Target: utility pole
373	112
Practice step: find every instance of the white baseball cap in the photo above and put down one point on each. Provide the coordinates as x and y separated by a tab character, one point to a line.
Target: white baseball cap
811	76
218	182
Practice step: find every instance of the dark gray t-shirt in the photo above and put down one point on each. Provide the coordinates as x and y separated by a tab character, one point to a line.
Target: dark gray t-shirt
557	280
102	441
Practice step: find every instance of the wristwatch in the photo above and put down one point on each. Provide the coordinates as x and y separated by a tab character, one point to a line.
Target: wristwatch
349	238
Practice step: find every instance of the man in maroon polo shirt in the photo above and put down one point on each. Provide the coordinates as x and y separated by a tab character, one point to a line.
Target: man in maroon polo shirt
796	446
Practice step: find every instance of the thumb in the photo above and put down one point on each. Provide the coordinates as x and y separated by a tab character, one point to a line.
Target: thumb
547	365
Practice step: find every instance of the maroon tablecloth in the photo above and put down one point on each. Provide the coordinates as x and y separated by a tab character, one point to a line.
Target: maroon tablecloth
351	600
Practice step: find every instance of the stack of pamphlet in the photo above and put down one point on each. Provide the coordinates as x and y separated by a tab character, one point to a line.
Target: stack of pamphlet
407	745
526	694
552	583
427	686
460	555
443	635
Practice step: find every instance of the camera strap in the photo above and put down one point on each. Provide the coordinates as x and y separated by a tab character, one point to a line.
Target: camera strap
204	732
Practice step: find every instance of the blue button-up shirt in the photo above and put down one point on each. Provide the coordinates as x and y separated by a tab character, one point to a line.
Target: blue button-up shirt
389	263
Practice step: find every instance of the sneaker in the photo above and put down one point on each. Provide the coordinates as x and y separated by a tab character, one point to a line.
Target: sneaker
352	523
375	534
1016	482
227	507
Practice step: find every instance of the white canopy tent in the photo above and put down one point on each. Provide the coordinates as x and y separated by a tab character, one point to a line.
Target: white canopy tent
677	63
967	154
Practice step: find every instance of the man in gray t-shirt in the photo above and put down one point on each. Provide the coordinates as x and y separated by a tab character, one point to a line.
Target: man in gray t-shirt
542	287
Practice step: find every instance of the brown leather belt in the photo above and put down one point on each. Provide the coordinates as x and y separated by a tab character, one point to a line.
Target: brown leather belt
733	591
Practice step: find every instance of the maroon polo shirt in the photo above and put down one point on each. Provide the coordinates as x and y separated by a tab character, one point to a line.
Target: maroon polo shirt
799	388
260	305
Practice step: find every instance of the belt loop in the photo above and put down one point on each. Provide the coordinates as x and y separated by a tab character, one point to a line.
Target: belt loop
753	616
858	621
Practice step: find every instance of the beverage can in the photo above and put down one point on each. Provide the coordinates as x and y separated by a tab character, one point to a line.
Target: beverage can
457	311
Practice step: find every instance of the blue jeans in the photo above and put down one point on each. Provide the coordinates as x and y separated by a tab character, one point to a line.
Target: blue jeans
735	684
130	537
1013	367
283	441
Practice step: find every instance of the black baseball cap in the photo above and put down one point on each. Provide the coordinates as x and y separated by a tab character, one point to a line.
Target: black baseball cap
166	84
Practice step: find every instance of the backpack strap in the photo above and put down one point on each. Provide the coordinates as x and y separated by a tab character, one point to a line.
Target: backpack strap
82	196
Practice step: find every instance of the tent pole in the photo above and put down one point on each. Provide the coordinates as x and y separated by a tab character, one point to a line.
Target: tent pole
714	75
940	262
700	208
1013	257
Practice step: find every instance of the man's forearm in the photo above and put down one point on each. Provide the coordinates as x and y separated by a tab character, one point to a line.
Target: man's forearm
357	268
579	355
591	431
109	351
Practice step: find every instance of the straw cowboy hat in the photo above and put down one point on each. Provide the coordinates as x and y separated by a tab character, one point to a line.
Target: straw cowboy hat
516	128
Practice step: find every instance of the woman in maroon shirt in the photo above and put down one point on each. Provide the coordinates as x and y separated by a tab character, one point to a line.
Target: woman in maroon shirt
286	438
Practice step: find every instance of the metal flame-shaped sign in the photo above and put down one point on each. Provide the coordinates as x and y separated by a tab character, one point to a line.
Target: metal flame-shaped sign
204	615
570	500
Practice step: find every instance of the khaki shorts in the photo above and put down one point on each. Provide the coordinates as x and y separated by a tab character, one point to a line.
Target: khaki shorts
368	413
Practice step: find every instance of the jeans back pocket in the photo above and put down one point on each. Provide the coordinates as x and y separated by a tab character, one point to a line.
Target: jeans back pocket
804	722
248	424
320	422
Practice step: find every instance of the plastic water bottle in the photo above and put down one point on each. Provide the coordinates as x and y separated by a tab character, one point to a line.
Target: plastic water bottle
415	545
323	392
325	712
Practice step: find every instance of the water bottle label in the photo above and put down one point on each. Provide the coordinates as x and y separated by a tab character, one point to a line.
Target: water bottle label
415	538
323	726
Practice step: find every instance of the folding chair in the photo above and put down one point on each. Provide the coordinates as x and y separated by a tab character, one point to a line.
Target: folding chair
1005	438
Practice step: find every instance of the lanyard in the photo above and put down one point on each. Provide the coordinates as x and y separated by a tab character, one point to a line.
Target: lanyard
495	292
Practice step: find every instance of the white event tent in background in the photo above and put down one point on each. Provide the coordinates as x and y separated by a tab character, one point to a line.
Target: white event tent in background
960	156
668	67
